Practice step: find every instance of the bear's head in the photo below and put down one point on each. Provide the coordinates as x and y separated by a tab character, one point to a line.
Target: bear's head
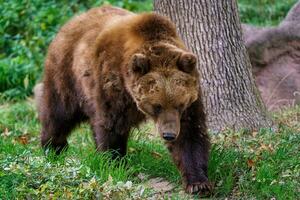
164	83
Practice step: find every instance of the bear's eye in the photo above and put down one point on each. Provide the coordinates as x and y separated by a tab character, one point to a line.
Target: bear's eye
157	108
180	107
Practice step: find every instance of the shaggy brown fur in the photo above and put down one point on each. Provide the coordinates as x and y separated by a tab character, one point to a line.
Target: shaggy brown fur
115	68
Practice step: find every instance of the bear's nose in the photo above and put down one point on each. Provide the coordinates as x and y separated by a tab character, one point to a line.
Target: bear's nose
169	136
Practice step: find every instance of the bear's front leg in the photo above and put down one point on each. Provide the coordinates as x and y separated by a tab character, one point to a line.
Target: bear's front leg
190	151
110	140
111	135
191	157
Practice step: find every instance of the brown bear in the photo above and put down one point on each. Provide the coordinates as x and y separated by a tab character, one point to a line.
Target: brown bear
114	68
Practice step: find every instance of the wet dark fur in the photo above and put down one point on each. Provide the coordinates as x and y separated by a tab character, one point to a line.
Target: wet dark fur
97	92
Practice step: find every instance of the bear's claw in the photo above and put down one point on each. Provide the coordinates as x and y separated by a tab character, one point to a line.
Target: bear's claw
203	189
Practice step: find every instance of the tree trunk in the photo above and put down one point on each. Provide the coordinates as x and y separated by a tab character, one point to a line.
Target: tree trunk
212	30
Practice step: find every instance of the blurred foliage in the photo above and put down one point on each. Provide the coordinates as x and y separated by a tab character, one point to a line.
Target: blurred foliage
264	12
28	26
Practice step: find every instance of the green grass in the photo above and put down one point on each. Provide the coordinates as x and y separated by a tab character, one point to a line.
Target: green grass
259	165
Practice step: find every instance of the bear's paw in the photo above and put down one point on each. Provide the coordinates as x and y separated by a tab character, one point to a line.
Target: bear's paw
203	189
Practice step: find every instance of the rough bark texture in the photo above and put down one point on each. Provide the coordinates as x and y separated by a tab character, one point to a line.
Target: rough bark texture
275	57
212	30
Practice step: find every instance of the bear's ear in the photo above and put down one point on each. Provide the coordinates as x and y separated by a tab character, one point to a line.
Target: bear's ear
140	64
186	62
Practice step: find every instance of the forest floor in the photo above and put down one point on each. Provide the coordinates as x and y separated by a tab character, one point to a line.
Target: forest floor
243	165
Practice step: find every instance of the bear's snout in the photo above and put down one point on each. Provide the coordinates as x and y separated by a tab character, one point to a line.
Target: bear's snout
168	125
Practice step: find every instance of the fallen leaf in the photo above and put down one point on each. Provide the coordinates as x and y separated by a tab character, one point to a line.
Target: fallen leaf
68	193
142	176
128	185
131	150
250	163
156	154
160	185
254	134
265	147
234	138
6	132
23	139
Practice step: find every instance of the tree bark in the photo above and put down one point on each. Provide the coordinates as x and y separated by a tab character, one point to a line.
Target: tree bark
212	30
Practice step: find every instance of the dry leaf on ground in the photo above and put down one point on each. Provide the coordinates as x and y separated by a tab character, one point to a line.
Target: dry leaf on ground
160	185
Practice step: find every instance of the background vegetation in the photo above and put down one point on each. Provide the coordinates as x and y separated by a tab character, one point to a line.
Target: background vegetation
258	165
28	26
